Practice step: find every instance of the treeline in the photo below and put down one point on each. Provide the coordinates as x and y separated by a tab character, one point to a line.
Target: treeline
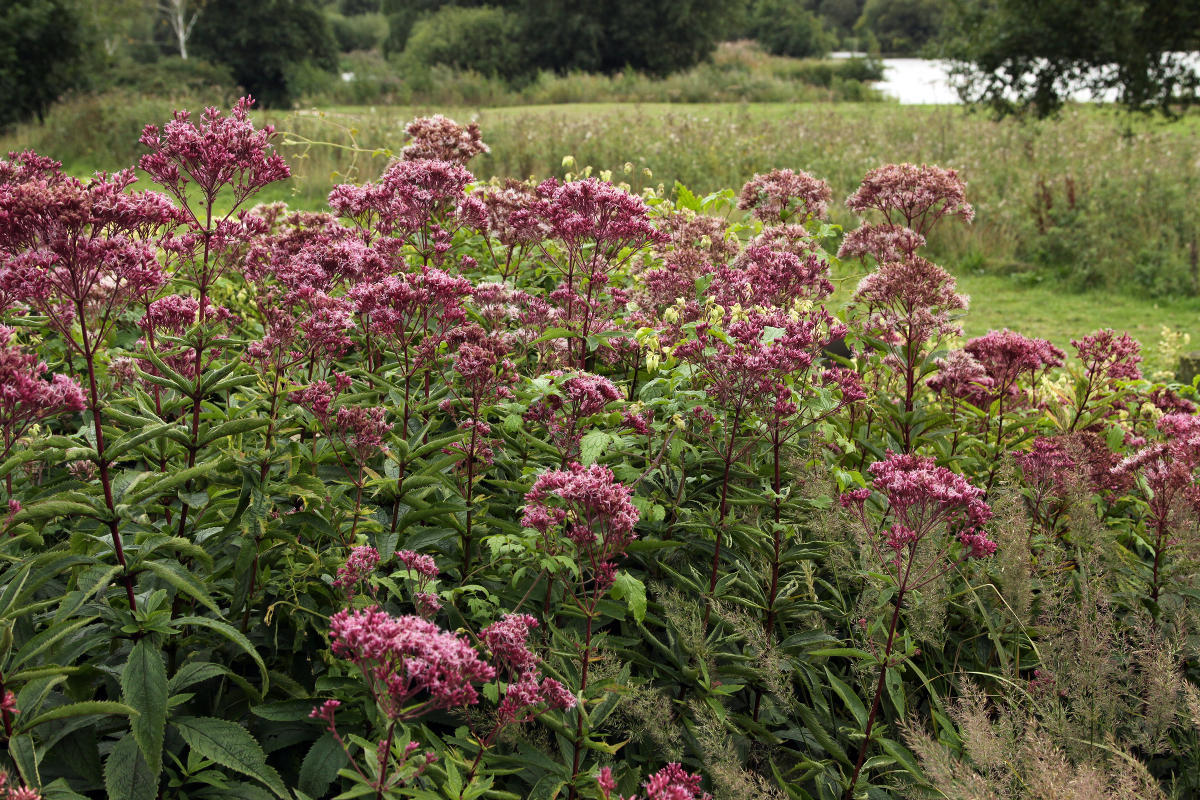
281	50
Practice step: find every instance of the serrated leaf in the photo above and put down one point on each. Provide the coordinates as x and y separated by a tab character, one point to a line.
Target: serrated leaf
144	687
593	445
321	766
631	589
233	635
126	775
182	581
231	746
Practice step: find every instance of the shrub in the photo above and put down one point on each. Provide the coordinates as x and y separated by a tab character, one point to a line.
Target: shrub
365	31
485	40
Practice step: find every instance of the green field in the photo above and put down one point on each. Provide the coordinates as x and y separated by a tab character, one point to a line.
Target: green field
1083	221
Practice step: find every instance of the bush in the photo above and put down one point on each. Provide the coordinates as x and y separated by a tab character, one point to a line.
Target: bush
485	40
43	50
360	32
265	43
787	28
168	77
902	27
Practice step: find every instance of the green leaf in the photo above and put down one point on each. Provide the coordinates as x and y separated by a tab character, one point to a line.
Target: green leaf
321	766
849	698
593	445
89	708
168	483
193	673
234	636
144	686
633	592
232	428
134	438
126	776
50	509
183	581
24	755
229	745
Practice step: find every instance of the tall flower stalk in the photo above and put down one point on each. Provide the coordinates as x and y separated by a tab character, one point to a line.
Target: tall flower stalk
932	520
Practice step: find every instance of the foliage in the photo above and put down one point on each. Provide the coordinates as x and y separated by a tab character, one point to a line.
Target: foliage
485	40
1020	55
657	37
365	31
263	44
42	52
902	26
511	489
789	29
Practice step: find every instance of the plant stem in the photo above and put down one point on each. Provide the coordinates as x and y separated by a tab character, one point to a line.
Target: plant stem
862	751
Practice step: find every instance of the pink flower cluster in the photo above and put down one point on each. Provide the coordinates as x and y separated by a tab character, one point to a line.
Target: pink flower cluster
782	195
567	405
424	570
442	139
923	498
911	195
883	242
592	508
26	397
221	151
1047	464
81	249
406	657
528	692
595	211
1109	357
359	566
1007	356
912	301
16	791
961	376
763	276
671	782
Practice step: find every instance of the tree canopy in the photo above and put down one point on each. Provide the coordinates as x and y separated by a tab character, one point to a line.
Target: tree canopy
1031	55
42	53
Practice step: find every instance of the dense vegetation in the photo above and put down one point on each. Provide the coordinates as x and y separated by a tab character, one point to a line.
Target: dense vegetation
513	490
1090	201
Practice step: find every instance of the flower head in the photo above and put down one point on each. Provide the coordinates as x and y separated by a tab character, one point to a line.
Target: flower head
915	196
405	658
219	152
782	195
443	139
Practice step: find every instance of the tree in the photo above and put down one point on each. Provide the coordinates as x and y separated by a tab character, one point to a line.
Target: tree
902	26
654	36
43	49
181	16
1030	55
787	28
266	44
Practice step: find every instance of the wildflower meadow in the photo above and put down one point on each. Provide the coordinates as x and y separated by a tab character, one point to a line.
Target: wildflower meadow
470	488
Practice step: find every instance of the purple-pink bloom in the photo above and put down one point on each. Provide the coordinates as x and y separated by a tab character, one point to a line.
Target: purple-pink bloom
443	139
913	196
27	395
408	658
783	195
